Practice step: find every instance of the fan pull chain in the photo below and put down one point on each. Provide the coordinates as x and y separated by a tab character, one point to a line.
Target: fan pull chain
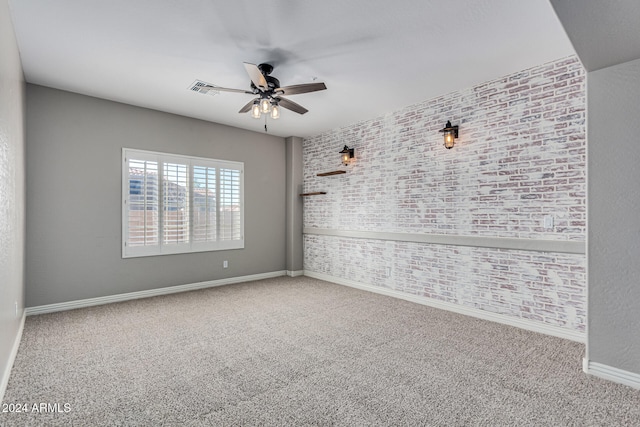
265	123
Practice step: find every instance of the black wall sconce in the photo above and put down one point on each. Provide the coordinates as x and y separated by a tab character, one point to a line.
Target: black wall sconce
450	134
347	155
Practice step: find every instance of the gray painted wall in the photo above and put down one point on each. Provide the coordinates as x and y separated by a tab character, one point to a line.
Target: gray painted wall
12	192
73	160
614	216
606	38
294	204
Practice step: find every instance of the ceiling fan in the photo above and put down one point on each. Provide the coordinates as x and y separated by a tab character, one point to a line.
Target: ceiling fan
269	93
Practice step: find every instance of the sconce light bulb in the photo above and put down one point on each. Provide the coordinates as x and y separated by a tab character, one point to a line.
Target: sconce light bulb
449	140
450	134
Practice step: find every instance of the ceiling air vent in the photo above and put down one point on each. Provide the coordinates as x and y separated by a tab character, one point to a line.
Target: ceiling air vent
203	88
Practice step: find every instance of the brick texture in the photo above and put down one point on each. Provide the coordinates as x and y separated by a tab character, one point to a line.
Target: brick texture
520	157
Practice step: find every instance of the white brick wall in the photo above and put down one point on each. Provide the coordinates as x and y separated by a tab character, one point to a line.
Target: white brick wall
520	156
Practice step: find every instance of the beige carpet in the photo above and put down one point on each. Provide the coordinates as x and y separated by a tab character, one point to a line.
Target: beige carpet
297	352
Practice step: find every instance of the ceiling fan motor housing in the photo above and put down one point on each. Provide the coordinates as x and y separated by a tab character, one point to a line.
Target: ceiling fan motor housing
272	82
266	69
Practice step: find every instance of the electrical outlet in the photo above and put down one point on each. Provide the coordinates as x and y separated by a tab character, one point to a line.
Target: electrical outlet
225	264
548	222
16	305
388	271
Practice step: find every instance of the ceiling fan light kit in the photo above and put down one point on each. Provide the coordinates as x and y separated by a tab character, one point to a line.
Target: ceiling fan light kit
255	109
265	106
275	111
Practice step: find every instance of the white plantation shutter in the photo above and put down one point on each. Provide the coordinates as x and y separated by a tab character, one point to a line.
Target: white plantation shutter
143	206
177	204
230	209
204	204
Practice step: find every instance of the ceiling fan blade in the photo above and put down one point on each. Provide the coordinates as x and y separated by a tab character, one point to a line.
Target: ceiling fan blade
256	76
206	87
302	88
247	107
290	105
226	89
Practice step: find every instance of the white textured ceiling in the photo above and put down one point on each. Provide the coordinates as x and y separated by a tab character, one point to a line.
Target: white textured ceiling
375	56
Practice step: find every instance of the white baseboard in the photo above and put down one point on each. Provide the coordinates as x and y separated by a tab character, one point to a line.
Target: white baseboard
4	379
529	325
610	373
70	305
295	273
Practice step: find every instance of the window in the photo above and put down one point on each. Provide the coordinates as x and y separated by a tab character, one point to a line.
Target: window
175	204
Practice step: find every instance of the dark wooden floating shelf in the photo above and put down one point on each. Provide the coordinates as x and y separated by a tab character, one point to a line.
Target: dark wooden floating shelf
317	193
332	173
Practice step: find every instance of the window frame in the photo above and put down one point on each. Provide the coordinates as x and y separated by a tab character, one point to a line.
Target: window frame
160	247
